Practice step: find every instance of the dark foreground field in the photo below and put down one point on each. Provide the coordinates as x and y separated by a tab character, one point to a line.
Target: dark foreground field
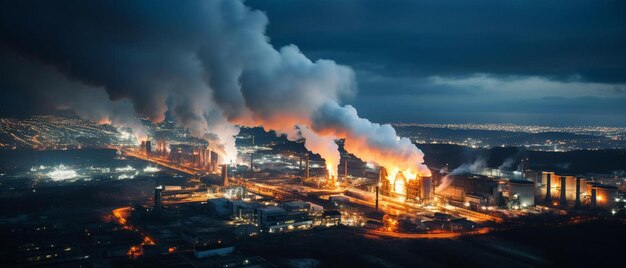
590	244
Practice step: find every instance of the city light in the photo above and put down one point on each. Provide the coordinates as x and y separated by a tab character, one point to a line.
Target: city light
62	173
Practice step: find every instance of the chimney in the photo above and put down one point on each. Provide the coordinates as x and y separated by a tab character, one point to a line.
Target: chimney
380	178
548	195
593	197
577	204
377	196
224	175
157	197
307	166
563	200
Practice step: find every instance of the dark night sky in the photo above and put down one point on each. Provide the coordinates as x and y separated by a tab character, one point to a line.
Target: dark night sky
544	62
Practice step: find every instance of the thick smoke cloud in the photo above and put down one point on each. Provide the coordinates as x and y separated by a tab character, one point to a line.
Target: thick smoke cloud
48	89
465	168
209	64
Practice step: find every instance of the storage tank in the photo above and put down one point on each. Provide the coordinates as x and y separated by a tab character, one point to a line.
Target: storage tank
525	191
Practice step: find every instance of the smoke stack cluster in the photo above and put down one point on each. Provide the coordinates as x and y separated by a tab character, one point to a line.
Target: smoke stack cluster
206	63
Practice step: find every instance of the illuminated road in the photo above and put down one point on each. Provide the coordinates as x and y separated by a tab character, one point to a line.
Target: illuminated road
162	162
121	215
445	235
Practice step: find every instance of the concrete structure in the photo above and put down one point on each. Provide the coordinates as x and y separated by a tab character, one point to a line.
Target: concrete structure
297	206
563	197
523	191
158	190
224	175
593	198
460	186
276	219
476	201
547	184
219	206
315	208
605	196
331	218
578	193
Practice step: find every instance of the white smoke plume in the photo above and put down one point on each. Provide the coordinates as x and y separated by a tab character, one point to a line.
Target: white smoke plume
210	64
507	164
465	168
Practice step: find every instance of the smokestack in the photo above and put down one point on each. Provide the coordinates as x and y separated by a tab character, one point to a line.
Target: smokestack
563	192
380	178
593	197
148	147
225	175
307	166
157	197
377	196
577	204
548	182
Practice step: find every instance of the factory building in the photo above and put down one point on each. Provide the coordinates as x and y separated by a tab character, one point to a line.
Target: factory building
276	219
412	189
331	218
565	190
568	190
474	189
605	196
522	191
196	156
162	148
